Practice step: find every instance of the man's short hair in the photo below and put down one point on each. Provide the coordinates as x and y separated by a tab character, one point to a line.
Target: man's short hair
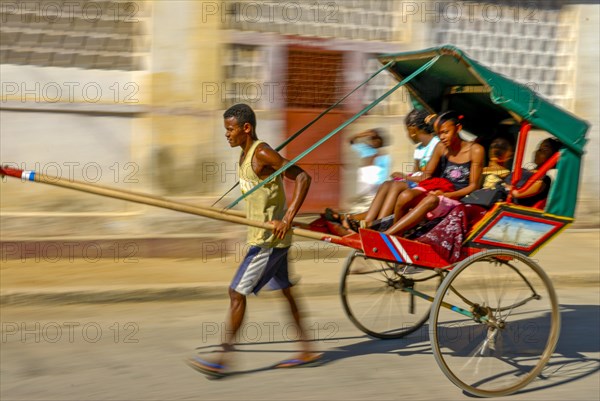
243	114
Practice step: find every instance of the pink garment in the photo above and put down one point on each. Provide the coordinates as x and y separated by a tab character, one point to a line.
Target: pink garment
443	208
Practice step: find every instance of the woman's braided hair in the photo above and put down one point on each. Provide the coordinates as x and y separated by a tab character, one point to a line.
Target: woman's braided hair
416	118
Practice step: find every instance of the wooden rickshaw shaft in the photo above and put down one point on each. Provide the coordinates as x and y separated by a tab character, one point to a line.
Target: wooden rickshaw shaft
231	216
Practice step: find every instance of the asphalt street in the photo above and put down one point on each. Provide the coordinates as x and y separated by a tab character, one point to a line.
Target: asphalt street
75	330
137	350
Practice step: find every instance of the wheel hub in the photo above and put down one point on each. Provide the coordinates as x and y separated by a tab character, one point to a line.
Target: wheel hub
400	283
484	314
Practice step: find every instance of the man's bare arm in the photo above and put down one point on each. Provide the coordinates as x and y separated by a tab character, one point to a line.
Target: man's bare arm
270	160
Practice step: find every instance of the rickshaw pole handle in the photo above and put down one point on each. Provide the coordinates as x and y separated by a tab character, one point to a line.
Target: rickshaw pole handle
231	216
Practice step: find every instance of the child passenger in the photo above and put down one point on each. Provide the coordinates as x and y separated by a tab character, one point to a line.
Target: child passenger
375	165
500	154
539	190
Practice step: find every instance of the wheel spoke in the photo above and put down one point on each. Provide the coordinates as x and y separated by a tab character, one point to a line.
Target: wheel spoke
374	298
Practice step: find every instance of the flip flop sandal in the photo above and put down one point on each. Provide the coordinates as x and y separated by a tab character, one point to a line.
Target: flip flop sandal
298	363
349	223
210	369
353	224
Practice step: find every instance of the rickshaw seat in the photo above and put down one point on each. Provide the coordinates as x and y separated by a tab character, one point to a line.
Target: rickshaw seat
541	204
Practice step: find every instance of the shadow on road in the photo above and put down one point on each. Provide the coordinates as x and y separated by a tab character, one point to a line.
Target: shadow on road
579	336
580	330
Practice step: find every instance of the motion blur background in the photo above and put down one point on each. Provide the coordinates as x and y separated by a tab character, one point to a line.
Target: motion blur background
131	95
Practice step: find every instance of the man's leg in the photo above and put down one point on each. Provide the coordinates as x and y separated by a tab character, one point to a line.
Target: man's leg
251	269
296	314
235	318
307	354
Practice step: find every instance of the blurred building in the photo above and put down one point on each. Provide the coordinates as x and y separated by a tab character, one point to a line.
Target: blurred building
131	95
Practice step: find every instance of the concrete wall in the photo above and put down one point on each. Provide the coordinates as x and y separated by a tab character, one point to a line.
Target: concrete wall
147	131
154	131
75	124
587	106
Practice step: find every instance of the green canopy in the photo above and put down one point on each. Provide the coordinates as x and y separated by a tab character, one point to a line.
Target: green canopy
486	98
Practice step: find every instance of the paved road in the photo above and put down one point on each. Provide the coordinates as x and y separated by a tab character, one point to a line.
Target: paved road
136	351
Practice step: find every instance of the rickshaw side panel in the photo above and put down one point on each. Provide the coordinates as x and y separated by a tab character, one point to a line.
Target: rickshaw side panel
378	245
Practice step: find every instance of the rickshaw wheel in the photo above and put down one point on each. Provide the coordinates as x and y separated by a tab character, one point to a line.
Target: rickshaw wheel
375	300
514	328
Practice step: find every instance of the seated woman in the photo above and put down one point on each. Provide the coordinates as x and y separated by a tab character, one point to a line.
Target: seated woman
460	163
447	236
421	133
538	192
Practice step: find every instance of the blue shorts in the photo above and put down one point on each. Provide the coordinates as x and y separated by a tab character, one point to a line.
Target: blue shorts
260	267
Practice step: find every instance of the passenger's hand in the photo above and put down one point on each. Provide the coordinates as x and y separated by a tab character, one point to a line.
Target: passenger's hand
437	192
280	228
398	175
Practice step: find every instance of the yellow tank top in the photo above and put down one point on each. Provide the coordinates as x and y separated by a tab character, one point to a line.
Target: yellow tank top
265	204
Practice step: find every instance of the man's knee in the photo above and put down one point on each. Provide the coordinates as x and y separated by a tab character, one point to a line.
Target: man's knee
235	296
287	292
